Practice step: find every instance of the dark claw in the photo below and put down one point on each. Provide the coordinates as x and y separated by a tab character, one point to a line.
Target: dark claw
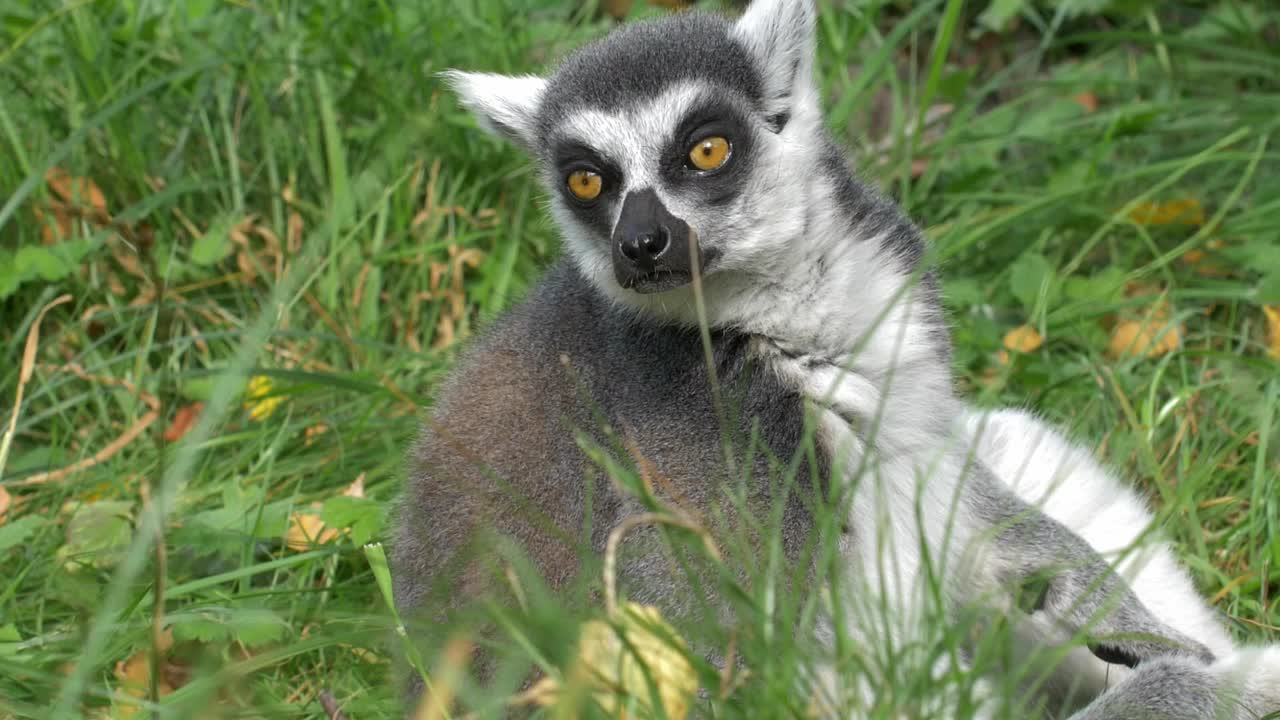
1114	655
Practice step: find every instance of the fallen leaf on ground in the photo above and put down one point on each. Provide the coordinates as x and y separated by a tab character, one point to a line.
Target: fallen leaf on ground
183	421
1087	100
134	677
1273	330
1203	263
1022	339
1187	211
1145	331
75	195
73	189
615	669
356	488
617	8
312	433
1151	336
306	530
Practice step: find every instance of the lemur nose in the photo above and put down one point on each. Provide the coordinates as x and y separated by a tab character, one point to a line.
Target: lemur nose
652	249
647	247
656	243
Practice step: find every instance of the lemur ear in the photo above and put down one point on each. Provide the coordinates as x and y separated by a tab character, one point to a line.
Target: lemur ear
507	105
780	34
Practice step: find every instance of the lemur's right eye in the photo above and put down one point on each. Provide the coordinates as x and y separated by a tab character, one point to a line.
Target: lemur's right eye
585	185
709	153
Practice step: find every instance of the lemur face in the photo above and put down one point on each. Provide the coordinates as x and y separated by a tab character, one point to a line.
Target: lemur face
671	147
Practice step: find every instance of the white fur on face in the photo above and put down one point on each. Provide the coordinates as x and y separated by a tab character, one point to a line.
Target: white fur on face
633	140
752	234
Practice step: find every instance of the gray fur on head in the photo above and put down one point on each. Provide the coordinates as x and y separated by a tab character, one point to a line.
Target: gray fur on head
785	206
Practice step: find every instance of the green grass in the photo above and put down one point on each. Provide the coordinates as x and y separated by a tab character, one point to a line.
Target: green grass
292	194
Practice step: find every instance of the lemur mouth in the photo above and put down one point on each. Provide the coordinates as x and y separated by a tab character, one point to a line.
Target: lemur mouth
664	279
659	281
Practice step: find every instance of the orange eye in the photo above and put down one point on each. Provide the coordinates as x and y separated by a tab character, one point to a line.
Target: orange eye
710	153
585	185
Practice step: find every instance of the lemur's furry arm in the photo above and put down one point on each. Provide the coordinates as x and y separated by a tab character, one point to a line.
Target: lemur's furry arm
1020	545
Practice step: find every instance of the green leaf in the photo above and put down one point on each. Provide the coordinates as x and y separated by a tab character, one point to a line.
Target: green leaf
999	12
1226	19
1105	287
16	532
1048	118
244	513
215	244
9	639
10	278
964	293
1268	290
198	9
362	516
1075	8
257	626
1258	253
40	260
97	533
199	627
251	626
1030	276
197	388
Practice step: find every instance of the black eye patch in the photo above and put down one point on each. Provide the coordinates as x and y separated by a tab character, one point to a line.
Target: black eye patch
571	156
709	120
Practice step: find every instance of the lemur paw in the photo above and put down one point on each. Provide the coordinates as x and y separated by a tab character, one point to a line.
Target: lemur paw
1133	652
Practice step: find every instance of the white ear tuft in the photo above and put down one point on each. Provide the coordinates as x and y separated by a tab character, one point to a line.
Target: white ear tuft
507	105
780	34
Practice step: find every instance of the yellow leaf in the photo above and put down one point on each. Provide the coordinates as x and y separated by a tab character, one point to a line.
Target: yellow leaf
1187	211
1149	337
1273	330
1023	339
261	403
6	500
356	488
134	677
617	669
306	530
79	190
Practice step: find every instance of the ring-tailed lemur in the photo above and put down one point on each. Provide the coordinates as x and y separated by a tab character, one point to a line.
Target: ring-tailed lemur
693	180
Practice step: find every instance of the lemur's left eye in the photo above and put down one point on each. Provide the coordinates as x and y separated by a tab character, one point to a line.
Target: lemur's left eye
585	185
710	153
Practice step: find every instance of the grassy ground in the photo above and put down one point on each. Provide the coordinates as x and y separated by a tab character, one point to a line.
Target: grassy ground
275	225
